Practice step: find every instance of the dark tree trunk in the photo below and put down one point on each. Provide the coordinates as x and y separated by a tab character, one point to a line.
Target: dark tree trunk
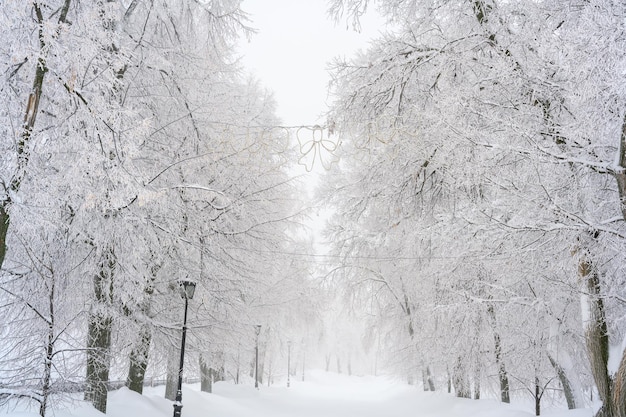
596	335
620	175
99	330
460	379
140	352
46	379
619	390
619	385
538	395
502	374
429	379
567	387
4	229
261	364
139	361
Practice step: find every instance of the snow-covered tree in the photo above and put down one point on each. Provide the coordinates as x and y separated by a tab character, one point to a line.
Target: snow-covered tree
502	123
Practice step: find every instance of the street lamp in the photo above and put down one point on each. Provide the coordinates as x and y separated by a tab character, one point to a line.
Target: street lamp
187	288
303	358
257	328
288	362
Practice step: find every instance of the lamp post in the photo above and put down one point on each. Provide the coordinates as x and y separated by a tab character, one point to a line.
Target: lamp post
257	329
303	358
187	288
288	362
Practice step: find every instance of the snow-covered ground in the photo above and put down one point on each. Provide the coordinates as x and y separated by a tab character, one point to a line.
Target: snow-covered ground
322	395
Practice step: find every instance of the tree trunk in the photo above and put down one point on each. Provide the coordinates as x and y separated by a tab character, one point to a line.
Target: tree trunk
261	364
100	325
619	384
538	395
4	229
46	378
619	389
565	383
98	360
219	370
620	175
139	361
206	376
460	379
171	380
596	334
502	374
477	375
429	379
238	370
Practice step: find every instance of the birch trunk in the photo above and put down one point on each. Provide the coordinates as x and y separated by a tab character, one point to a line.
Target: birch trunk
30	117
502	374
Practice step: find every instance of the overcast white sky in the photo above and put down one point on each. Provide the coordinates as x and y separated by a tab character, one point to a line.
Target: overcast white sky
290	53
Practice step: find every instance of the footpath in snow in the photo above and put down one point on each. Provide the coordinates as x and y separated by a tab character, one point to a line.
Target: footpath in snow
322	395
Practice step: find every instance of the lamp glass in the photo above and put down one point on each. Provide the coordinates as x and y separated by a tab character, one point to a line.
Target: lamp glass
187	289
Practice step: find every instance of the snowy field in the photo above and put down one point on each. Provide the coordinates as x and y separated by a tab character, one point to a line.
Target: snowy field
322	395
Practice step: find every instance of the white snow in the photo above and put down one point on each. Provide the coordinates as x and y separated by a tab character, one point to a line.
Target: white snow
322	395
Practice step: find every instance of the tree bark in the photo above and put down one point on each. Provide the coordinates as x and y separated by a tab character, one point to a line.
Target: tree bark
171	380
460	379
100	324
206	376
619	389
565	383
429	379
502	374
477	376
596	334
46	379
538	395
619	384
139	360
620	175
4	228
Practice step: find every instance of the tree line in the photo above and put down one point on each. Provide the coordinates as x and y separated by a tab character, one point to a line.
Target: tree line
479	214
135	154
